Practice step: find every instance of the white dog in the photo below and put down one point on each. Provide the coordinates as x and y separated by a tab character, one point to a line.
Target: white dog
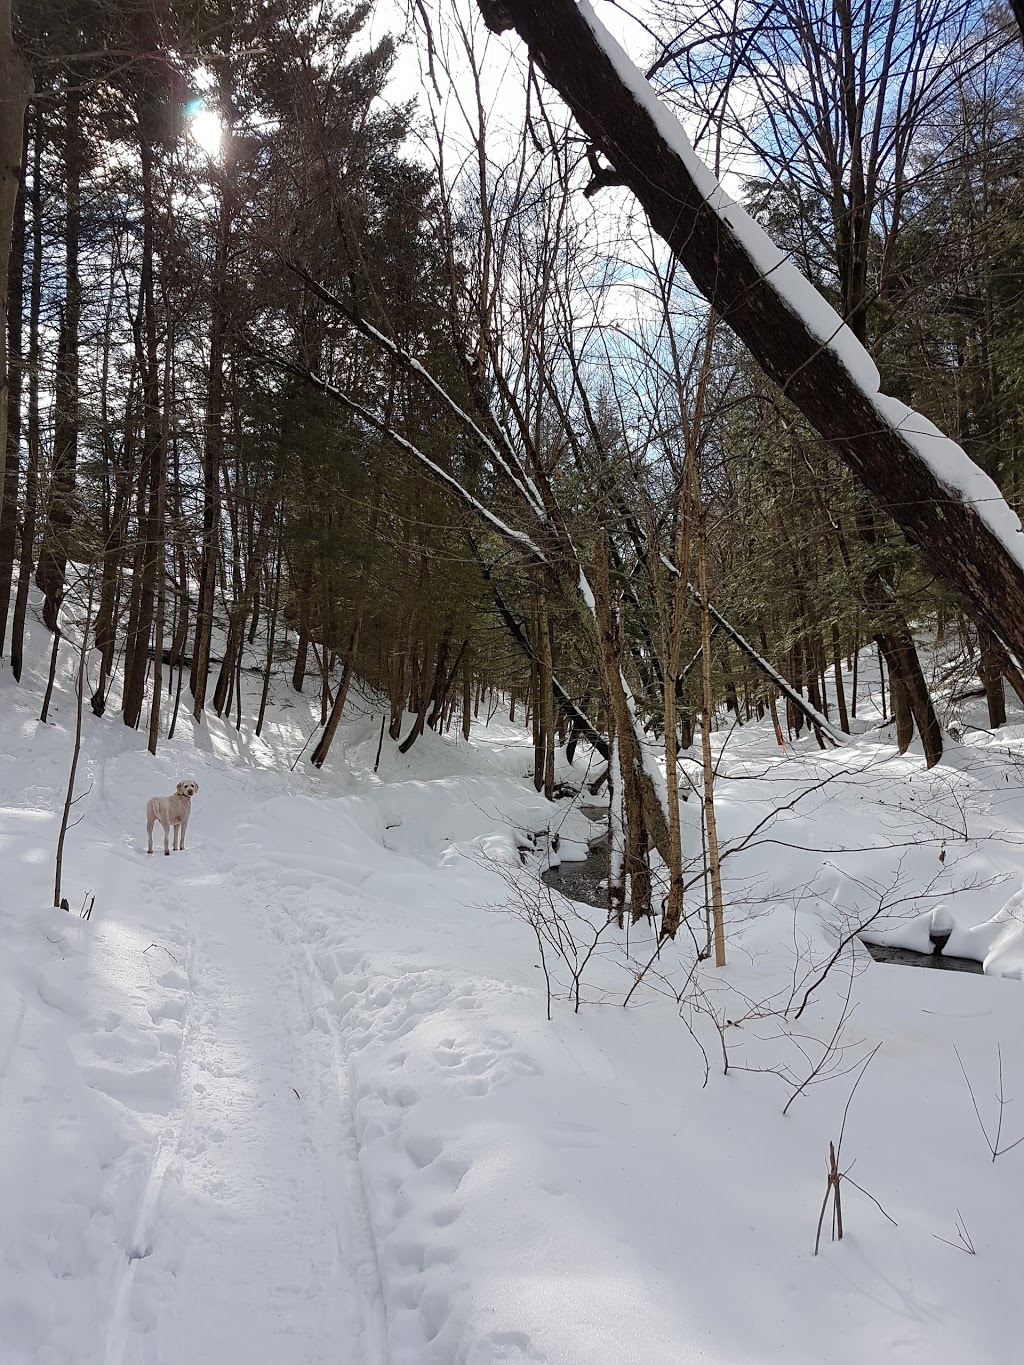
171	810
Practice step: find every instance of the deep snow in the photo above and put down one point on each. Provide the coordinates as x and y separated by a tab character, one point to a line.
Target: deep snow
291	1097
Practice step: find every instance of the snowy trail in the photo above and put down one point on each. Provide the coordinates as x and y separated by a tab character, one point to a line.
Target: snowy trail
291	1097
252	1243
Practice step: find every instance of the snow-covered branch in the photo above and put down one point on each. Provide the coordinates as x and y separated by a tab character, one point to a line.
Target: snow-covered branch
928	485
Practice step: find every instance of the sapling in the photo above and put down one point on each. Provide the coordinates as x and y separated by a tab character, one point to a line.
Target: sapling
69	799
964	1242
836	1176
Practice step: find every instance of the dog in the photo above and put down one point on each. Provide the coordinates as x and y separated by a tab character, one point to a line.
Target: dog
171	810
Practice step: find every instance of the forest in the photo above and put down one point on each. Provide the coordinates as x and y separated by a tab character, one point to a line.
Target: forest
538	482
416	390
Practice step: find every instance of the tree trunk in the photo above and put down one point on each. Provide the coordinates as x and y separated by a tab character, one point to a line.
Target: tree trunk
398	689
69	796
54	552
908	686
424	688
304	589
439	681
547	700
235	640
16	87
151	565
710	824
12	434
636	864
161	552
275	601
837	666
990	671
213	455
467	698
28	524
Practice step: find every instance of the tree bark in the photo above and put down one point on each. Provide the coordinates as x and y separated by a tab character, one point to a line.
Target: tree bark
151	559
16	87
990	671
53	554
636	863
837	665
28	523
213	453
12	433
275	599
710	824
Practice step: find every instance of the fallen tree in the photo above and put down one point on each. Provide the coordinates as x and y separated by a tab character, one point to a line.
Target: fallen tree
940	499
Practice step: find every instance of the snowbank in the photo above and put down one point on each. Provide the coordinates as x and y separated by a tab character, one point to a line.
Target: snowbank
291	1097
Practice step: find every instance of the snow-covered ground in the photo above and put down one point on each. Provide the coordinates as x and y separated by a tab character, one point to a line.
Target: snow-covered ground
291	1096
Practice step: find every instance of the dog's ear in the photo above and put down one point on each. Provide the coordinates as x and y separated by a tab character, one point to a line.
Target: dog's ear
195	786
180	789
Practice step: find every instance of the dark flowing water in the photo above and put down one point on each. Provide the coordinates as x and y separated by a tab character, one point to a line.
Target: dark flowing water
583	882
906	957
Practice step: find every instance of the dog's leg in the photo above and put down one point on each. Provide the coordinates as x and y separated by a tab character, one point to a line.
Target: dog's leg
167	851
150	822
177	832
184	827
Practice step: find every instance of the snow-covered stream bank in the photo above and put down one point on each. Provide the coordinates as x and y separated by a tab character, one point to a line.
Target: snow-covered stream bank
290	1097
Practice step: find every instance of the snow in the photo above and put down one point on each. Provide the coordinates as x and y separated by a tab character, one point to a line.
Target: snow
948	462
290	1096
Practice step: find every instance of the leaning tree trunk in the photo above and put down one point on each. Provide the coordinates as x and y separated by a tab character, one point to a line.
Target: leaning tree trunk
952	511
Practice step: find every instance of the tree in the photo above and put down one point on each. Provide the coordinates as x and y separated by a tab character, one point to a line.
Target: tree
16	87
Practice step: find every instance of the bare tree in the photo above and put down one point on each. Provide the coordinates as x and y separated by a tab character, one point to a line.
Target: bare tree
819	364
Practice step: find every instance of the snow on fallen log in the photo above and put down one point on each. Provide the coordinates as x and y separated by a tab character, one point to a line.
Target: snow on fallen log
942	501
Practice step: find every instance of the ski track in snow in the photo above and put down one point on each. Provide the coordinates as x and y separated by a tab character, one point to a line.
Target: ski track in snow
290	1098
253	1238
249	1243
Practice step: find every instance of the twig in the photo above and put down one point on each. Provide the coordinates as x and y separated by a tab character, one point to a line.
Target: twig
963	1242
836	1176
162	949
993	1147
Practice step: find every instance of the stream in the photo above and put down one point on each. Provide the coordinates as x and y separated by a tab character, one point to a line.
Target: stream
584	882
906	957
